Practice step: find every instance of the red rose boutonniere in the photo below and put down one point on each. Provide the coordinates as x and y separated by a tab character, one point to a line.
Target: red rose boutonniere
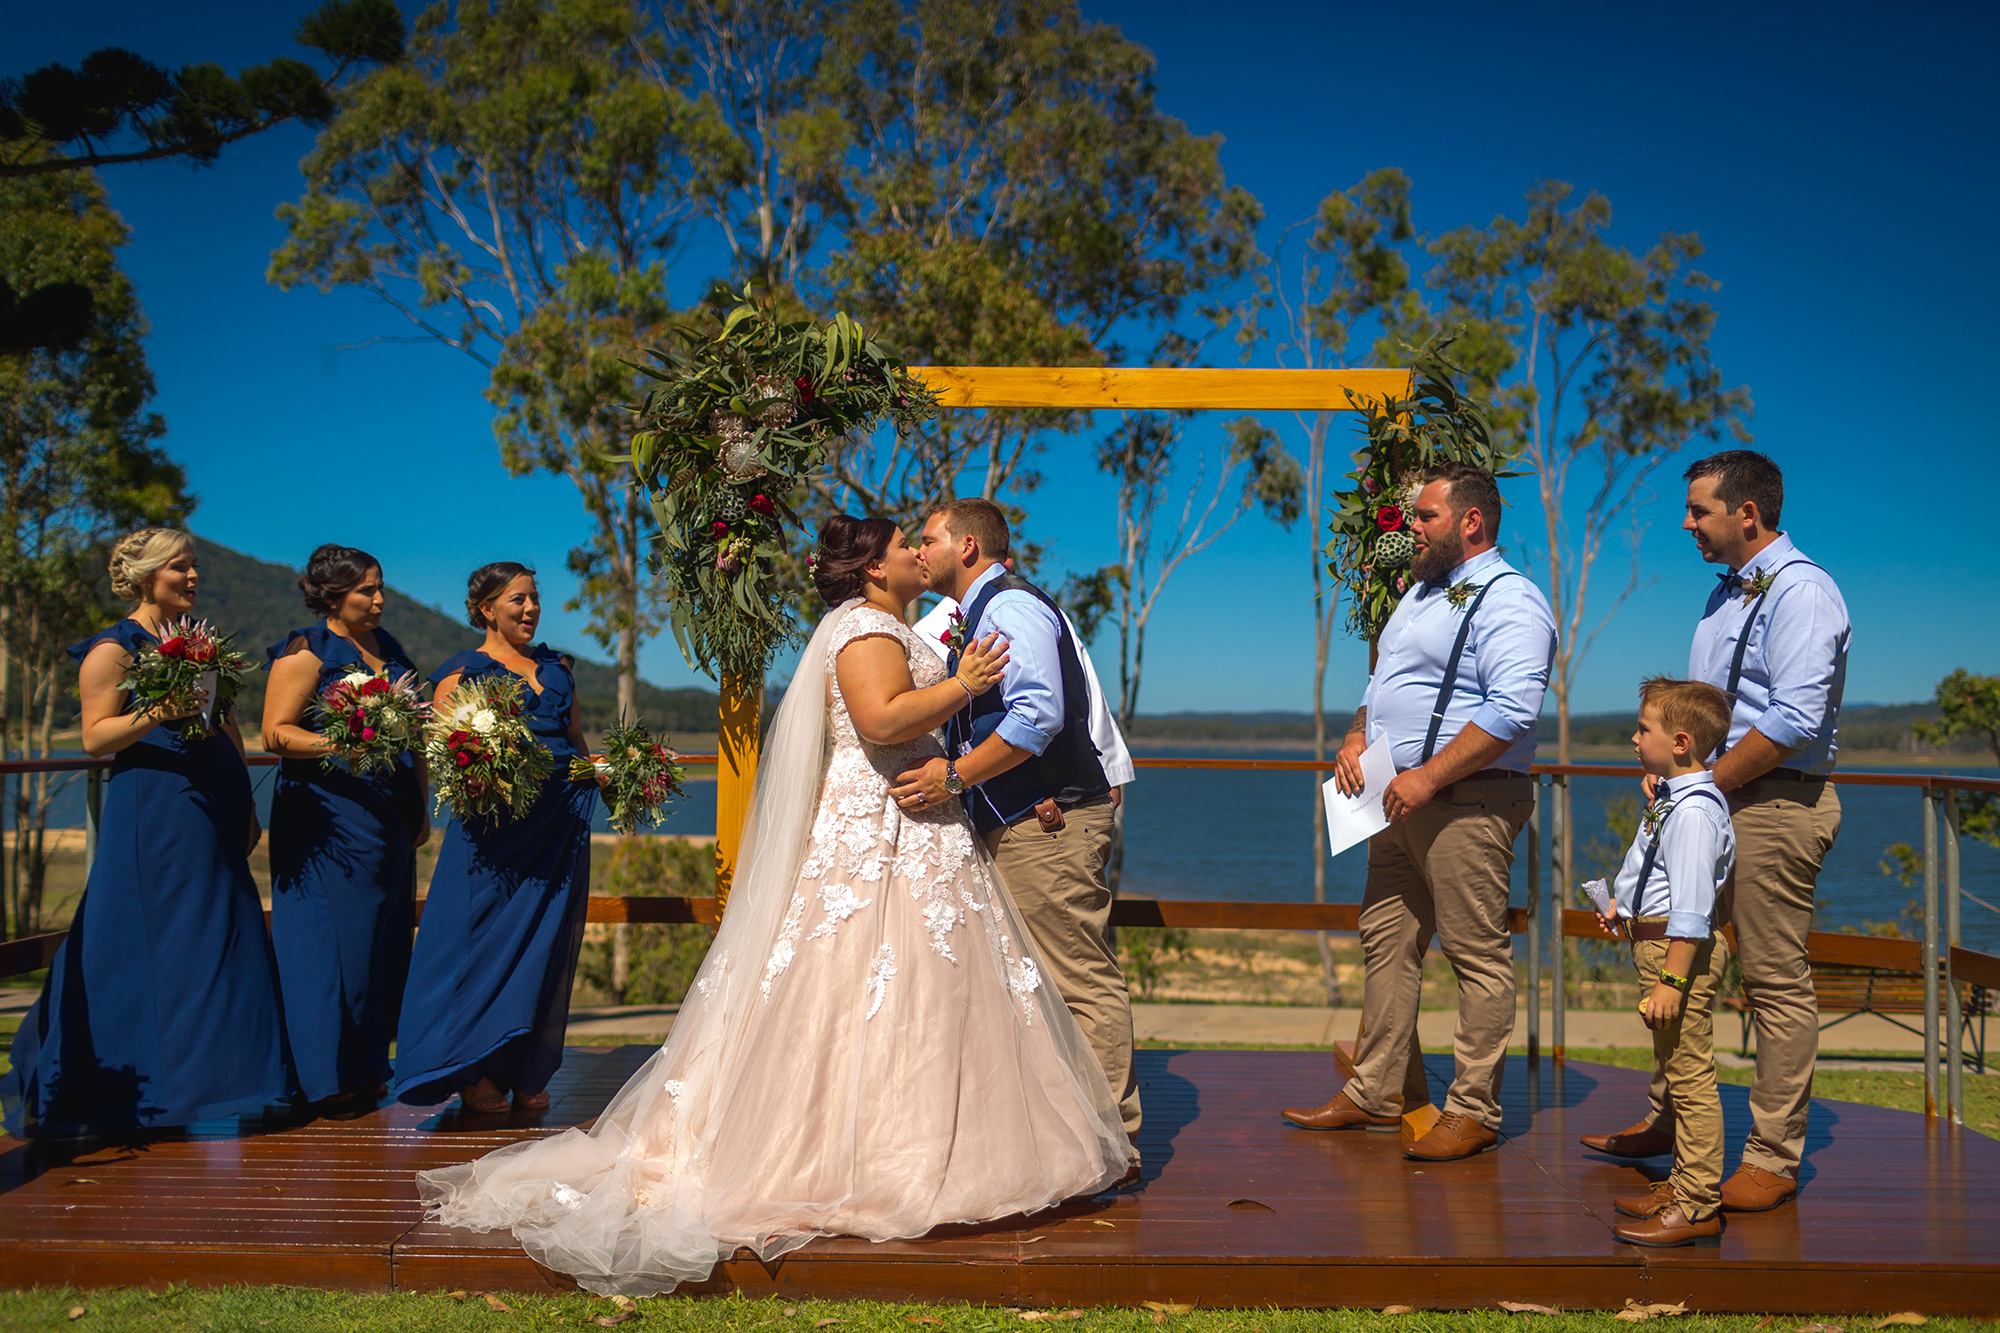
953	637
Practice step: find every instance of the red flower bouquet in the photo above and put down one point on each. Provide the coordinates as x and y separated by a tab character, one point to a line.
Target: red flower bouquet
169	675
371	720
643	775
483	759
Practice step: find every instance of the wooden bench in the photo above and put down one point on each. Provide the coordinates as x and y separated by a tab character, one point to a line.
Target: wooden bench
1884	992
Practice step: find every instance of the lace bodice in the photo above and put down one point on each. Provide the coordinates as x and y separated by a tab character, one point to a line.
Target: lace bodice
926	669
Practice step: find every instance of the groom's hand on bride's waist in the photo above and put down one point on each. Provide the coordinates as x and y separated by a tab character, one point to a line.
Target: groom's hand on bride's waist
918	788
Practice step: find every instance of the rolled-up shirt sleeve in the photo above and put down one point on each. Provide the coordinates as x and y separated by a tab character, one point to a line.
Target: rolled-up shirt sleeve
1514	643
1802	644
1031	682
1696	857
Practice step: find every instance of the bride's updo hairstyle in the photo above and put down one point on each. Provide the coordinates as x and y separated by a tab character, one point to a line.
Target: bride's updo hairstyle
847	546
488	582
137	556
333	572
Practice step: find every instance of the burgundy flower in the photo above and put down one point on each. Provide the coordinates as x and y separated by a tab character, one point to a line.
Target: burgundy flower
368	733
805	388
761	504
174	647
718	529
462	758
1388	518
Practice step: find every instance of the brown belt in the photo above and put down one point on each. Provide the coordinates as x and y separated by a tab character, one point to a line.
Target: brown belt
1789	775
1483	775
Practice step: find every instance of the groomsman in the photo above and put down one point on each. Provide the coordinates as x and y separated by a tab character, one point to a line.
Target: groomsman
1457	691
1774	639
1032	779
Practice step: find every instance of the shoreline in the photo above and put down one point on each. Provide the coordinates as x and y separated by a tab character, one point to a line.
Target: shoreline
1147	747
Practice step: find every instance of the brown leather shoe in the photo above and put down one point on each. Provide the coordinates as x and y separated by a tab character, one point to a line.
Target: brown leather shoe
1644	1139
1340	1113
1754	1190
1669	1228
1653	1202
1455	1136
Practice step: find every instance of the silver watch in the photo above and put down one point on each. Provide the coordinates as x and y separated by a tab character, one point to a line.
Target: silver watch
953	783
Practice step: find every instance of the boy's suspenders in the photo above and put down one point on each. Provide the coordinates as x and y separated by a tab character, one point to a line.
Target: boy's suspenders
1652	852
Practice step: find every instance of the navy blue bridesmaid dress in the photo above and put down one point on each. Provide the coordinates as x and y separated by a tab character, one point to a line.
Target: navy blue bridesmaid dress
343	879
496	949
161	1007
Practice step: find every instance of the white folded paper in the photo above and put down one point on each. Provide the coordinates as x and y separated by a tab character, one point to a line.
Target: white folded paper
1599	894
1357	818
206	683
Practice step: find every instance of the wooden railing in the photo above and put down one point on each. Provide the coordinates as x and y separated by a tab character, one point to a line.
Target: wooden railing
1938	956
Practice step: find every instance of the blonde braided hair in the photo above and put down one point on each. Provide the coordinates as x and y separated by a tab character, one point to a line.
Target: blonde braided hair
137	556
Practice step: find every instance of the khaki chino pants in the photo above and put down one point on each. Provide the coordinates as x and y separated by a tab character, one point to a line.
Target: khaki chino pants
1442	871
1684	1061
1783	833
1057	881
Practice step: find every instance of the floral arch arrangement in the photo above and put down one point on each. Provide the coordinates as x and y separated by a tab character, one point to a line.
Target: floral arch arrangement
1373	545
738	418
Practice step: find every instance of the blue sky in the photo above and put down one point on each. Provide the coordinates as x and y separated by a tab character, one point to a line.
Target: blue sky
1836	161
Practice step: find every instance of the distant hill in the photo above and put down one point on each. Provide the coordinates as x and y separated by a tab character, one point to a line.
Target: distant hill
258	601
1862	727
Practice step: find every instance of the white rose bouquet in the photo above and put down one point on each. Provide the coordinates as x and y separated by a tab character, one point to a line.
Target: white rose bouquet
371	720
485	762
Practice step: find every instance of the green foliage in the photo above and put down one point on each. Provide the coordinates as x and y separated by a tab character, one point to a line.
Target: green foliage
78	466
1438	423
663	959
192	113
1969	709
740	416
1148	954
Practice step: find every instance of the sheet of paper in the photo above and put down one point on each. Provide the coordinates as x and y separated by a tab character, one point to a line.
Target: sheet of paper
1352	819
206	682
1599	894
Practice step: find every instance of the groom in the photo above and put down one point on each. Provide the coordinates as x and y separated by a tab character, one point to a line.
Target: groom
1032	779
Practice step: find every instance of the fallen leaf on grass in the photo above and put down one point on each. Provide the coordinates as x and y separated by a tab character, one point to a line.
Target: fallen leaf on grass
495	1303
922	1319
614	1320
1909	1318
77	1311
822	1323
1031	1316
1637	1313
1251	1206
1819	1328
1765	1322
1526	1307
791	1310
1168	1307
1399	1309
458	1295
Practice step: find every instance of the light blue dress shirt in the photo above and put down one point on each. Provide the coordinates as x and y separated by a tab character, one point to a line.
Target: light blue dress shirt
1031	682
1697	850
1795	665
1501	678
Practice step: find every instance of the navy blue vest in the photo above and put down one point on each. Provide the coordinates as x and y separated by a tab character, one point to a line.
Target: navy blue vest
1068	770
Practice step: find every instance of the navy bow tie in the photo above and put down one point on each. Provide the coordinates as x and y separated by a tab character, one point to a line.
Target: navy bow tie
1732	581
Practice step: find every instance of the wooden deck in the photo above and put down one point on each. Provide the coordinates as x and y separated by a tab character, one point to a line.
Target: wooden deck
1238	1210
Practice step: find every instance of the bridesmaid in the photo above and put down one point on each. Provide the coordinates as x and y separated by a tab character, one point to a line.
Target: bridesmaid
343	848
488	997
162	1006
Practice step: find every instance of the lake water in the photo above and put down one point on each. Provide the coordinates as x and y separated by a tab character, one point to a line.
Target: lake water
1247	836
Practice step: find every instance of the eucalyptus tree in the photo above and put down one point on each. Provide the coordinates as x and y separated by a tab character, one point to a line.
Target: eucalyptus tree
1599	358
514	190
77	466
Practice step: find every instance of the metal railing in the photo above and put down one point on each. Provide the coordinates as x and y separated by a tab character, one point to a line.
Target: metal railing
1939	956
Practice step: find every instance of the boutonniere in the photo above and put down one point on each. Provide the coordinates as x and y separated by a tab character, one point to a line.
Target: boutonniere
1656	814
953	637
1756	586
1461	592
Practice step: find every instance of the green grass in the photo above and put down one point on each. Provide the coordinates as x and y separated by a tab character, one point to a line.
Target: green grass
298	1310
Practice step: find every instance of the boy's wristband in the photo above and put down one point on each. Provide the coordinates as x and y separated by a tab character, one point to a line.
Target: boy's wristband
1676	980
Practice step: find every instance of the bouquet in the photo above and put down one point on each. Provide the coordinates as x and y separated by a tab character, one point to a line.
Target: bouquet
482	757
371	720
168	675
644	776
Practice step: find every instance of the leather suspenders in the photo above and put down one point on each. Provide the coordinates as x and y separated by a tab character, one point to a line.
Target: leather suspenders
1743	635
1451	667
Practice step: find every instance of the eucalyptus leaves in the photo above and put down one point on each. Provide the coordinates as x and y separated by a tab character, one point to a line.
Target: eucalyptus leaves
1372	546
739	418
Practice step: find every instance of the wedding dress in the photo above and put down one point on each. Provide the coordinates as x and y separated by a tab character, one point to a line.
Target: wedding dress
868	1050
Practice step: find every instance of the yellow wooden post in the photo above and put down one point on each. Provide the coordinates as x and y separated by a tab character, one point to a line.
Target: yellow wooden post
736	745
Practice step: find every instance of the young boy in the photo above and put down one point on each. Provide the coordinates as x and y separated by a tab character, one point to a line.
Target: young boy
1664	899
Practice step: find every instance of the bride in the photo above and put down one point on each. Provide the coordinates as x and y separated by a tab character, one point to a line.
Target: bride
869	1049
